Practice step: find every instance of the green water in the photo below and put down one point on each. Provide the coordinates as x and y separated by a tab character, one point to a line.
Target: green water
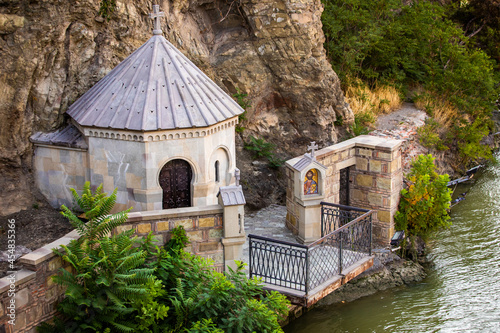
461	292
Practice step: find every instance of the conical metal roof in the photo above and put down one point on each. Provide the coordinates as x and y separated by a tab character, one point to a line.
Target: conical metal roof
155	88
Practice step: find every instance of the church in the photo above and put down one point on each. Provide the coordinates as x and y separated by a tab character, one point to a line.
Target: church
156	128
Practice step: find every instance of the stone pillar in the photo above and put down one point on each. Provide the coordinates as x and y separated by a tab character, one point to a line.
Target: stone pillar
377	184
232	200
309	221
304	204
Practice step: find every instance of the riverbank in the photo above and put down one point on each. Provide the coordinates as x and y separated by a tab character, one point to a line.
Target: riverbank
462	287
388	271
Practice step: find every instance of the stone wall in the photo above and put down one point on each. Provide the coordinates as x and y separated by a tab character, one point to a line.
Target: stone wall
57	169
132	164
375	180
36	296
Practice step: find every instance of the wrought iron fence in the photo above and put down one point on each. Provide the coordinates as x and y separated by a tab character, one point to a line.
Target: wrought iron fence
334	216
304	268
279	263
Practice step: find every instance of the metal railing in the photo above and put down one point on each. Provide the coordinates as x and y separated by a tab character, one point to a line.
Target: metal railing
334	216
278	262
304	268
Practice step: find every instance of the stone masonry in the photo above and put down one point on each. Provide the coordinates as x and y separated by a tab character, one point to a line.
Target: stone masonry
36	296
375	180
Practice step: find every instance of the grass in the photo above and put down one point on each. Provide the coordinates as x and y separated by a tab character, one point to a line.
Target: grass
443	112
368	103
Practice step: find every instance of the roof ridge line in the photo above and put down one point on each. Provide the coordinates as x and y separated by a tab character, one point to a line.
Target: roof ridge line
188	84
188	112
130	84
136	97
146	103
169	91
209	104
222	99
168	49
158	105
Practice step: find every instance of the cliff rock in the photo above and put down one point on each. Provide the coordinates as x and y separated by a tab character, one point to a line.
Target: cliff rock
52	51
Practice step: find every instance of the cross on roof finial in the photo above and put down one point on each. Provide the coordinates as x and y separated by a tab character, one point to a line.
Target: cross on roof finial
156	17
312	148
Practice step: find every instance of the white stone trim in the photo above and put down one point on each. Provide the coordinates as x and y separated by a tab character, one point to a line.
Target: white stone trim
160	135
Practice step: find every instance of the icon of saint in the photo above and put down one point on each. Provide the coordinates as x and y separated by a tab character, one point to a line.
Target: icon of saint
311	182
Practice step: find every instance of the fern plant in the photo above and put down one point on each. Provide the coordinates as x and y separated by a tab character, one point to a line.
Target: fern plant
108	282
204	300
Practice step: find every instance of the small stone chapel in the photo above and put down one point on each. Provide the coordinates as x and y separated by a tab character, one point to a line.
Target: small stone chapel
156	128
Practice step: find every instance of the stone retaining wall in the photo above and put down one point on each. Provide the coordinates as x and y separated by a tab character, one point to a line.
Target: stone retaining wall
36	296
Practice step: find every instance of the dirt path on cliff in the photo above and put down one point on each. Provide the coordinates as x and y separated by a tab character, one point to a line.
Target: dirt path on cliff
402	125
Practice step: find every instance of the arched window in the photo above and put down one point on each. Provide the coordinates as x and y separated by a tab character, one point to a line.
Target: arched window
217	176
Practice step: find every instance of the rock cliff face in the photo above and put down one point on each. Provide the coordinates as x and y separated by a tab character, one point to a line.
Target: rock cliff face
52	51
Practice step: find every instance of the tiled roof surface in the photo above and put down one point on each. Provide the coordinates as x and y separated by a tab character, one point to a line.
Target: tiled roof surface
155	88
68	136
232	195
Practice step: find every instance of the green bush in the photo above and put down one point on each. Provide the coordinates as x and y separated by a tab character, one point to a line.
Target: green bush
108	284
361	123
198	293
428	135
106	8
468	139
119	284
244	102
415	45
423	207
259	147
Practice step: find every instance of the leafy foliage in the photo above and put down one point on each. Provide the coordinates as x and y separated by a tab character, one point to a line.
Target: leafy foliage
468	139
417	45
106	8
361	124
119	284
201	298
423	206
108	285
429	135
261	148
243	101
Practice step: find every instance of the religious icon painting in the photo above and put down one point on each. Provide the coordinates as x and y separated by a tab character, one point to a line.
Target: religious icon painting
311	182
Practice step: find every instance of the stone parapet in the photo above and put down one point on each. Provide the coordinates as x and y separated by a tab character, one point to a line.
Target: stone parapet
36	296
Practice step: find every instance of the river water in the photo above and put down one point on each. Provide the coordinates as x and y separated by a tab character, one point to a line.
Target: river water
461	292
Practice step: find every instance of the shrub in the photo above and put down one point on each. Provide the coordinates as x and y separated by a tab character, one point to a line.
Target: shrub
423	206
119	284
243	101
259	147
428	135
383	42
201	296
106	8
108	285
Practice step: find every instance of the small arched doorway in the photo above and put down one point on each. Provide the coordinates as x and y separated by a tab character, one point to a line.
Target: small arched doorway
175	181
